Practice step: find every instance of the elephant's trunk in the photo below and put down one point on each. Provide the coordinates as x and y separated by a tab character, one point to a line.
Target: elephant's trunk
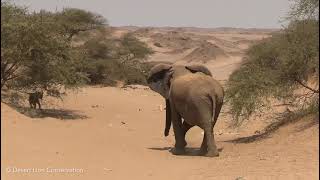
168	118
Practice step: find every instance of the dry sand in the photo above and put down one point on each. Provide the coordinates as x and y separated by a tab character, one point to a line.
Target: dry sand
117	134
122	138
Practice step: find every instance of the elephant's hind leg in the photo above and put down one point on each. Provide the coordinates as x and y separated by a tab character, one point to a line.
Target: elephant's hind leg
178	133
185	128
204	147
208	146
212	150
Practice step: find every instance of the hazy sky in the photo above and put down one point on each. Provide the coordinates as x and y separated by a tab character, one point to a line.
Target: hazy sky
198	13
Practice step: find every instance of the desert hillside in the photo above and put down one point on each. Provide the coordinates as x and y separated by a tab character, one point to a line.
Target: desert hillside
220	49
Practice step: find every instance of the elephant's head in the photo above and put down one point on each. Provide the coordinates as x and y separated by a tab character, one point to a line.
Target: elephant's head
160	77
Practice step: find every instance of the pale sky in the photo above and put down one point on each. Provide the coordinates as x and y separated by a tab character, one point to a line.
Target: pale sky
178	13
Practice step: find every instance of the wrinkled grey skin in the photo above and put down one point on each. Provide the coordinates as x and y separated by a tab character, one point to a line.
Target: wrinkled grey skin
192	94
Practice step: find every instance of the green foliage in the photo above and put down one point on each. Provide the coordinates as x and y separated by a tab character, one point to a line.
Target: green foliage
279	65
36	51
65	49
274	68
109	60
73	21
305	9
109	71
131	45
99	48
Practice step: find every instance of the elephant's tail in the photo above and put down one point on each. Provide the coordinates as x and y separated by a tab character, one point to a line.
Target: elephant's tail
214	107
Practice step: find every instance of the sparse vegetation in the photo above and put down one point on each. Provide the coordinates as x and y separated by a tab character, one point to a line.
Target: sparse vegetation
109	60
36	51
69	48
277	67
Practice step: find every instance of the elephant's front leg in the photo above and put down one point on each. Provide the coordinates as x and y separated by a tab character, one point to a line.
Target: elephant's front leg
178	133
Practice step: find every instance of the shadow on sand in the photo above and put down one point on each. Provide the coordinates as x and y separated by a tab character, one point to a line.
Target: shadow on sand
63	114
15	101
273	127
190	151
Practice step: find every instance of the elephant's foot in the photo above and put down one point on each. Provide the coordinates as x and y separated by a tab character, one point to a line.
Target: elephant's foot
178	151
181	144
212	153
202	152
184	144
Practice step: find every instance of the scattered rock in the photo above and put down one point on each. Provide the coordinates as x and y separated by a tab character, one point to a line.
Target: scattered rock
161	107
240	178
139	109
107	169
123	122
219	132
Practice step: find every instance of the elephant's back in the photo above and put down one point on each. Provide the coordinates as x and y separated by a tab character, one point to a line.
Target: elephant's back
192	95
195	87
197	83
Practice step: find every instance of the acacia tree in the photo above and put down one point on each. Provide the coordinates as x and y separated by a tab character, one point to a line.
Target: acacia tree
73	21
134	47
109	59
278	66
12	21
36	49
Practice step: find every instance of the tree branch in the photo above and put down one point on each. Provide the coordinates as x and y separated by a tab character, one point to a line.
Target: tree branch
304	85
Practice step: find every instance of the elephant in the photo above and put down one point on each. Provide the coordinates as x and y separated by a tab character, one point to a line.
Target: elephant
190	93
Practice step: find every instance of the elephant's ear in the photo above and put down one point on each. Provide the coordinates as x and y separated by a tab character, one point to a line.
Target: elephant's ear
158	72
198	68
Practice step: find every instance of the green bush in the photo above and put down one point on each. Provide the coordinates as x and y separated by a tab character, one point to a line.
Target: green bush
36	50
132	45
109	60
67	48
275	68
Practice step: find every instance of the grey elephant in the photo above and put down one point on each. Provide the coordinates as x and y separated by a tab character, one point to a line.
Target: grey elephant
192	94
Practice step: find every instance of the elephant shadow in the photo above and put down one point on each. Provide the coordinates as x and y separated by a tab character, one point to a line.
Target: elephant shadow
190	151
